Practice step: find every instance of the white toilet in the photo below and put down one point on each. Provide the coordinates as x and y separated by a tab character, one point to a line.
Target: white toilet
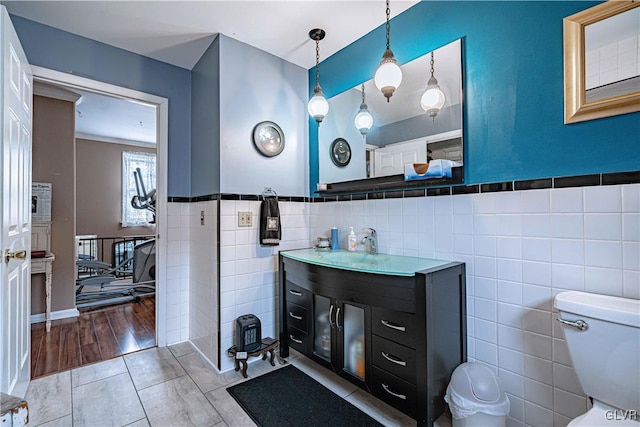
603	336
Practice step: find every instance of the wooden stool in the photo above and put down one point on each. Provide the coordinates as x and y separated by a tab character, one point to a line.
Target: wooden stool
267	345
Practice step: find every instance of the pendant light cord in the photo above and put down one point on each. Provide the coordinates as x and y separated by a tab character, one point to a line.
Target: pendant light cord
363	93
388	26
317	62
431	64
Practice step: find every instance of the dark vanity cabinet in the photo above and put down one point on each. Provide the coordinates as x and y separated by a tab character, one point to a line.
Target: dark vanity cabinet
398	337
329	331
339	337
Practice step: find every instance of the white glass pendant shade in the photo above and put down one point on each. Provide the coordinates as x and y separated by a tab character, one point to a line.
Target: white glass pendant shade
433	98
388	75
363	120
318	106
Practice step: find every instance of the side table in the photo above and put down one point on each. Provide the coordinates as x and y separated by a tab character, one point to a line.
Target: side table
45	265
268	345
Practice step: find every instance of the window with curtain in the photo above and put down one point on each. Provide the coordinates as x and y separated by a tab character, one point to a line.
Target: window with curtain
131	161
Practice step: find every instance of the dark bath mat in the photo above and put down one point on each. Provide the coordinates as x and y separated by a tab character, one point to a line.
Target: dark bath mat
288	397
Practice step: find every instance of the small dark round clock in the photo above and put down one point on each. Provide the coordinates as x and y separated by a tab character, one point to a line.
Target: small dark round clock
340	152
268	138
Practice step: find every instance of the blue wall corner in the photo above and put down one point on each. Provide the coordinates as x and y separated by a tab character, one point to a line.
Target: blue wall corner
205	122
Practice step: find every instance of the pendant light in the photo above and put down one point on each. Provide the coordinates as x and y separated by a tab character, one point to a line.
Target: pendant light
388	75
318	106
433	98
364	119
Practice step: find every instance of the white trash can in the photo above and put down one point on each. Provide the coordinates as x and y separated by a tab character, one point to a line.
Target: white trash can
476	397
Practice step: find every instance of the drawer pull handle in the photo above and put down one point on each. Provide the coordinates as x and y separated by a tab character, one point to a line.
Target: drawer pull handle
295	293
393	359
295	340
399	396
295	316
393	326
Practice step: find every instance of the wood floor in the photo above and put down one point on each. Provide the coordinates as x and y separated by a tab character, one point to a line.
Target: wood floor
96	335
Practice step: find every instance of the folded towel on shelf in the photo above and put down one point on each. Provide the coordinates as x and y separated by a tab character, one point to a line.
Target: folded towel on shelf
439	168
270	230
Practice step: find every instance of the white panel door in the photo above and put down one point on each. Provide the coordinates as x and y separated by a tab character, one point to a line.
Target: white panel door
390	160
15	211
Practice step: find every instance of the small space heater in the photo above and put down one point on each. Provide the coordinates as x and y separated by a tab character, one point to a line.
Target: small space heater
248	333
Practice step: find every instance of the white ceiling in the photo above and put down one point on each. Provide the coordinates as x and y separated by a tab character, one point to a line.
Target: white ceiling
114	119
178	32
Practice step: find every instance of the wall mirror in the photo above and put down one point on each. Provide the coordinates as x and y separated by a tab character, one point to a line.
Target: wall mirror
402	131
602	61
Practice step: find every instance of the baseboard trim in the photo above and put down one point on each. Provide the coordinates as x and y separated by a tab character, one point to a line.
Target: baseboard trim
56	315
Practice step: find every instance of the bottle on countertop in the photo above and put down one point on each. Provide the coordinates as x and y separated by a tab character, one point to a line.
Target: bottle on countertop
335	244
352	241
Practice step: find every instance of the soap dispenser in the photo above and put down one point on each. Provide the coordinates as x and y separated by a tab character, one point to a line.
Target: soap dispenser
352	241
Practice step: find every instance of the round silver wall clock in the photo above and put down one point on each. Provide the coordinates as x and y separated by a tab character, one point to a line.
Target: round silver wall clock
340	152
268	138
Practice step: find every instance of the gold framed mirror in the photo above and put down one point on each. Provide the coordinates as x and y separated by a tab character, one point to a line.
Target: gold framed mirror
593	90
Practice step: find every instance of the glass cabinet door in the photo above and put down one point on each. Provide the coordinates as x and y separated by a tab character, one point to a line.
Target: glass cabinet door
322	327
353	337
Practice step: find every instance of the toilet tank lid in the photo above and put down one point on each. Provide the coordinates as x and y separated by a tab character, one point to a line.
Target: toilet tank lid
625	311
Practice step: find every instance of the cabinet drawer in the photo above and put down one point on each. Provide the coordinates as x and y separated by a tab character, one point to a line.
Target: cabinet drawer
297	295
396	392
297	316
394	325
298	340
394	358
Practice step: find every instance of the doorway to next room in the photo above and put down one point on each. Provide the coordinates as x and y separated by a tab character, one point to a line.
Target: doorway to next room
98	153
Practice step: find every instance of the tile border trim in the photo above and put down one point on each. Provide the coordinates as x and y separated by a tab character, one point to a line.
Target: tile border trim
611	178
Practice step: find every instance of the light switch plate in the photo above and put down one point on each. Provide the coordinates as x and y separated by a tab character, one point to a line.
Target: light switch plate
244	219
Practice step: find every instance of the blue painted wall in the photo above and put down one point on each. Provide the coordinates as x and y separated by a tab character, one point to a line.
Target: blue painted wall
257	86
205	123
58	50
514	126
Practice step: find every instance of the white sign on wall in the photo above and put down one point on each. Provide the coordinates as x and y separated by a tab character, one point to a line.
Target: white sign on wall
41	202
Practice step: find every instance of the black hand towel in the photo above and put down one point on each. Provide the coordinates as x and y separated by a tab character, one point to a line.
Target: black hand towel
270	230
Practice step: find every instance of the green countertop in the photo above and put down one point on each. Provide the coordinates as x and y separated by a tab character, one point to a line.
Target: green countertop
394	265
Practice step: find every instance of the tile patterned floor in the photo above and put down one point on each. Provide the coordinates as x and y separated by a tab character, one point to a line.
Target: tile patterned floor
171	386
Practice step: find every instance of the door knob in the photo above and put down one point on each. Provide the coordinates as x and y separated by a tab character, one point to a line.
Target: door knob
8	255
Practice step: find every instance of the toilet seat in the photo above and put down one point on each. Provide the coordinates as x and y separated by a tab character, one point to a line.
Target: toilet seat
602	415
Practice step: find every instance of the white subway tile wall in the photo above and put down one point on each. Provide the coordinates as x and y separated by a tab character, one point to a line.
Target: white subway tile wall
520	250
249	271
613	62
178	266
203	274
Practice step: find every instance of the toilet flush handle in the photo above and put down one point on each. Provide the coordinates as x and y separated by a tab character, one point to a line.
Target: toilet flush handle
580	324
